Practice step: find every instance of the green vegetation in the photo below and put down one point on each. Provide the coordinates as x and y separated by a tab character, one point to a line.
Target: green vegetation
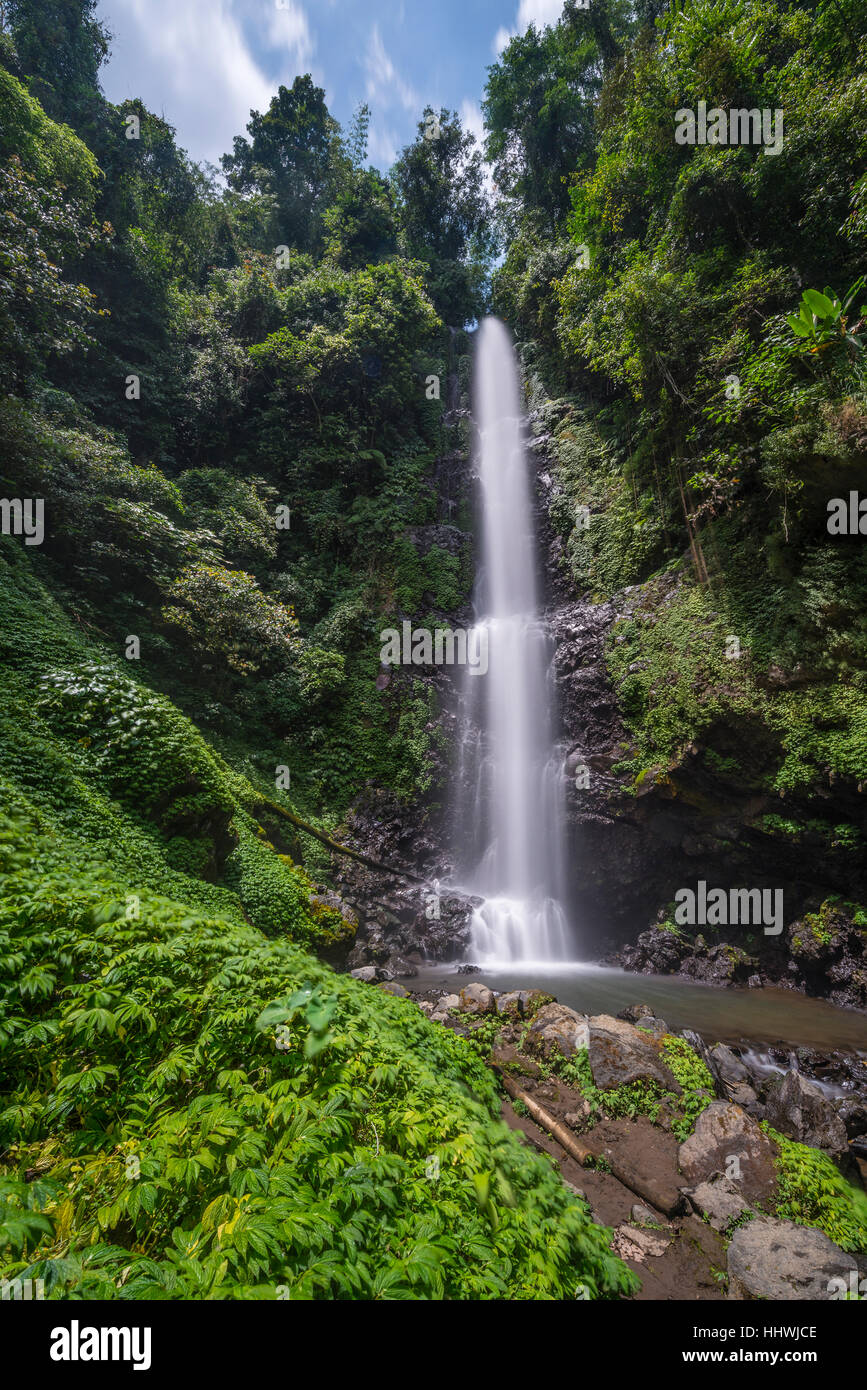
812	1192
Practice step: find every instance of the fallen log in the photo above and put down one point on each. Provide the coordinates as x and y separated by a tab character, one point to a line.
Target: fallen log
326	840
666	1199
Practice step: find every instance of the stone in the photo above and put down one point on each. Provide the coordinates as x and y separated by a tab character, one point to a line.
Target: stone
426	1006
620	1054
719	1199
797	1108
532	1000
556	1028
509	1005
388	987
638	1244
400	968
365	973
724	1133
771	1259
643	1216
448	1001
476	999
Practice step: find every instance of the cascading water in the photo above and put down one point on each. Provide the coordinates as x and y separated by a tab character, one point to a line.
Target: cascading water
511	837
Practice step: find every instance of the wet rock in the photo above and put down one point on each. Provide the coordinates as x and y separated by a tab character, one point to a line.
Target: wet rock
365	973
467	969
719	1199
619	1054
556	1028
723	1133
853	1113
476	999
400	968
773	1259
723	964
797	1108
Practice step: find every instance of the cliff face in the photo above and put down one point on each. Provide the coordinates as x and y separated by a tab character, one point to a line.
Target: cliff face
719	802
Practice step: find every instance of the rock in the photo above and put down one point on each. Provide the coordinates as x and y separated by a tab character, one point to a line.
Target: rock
778	1260
643	1216
426	1006
468	969
508	1058
649	1023
476	999
633	1012
448	1001
366	973
556	1028
401	969
620	1054
639	1244
724	1132
532	1000
853	1113
509	1005
719	1199
398	991
798	1109
337	904
727	1067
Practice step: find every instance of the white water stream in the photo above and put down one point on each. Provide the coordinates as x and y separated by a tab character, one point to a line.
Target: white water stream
512	838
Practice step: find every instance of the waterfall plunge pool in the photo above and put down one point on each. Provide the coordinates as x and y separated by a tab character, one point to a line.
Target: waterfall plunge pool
764	1016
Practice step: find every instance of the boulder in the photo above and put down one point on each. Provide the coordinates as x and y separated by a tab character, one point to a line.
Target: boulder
400	969
388	987
509	1005
724	1132
619	1053
731	1076
770	1259
366	973
798	1109
532	1000
448	1001
556	1028
719	1199
476	999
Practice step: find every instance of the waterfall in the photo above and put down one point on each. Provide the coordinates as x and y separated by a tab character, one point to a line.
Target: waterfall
511	828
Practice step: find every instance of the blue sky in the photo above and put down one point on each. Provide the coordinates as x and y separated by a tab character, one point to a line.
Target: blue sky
204	64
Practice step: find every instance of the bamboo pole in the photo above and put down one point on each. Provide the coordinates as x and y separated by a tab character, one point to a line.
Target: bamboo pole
333	844
668	1200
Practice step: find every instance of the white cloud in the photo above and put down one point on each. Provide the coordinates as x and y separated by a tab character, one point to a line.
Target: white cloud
538	12
289	29
191	61
384	83
471	120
